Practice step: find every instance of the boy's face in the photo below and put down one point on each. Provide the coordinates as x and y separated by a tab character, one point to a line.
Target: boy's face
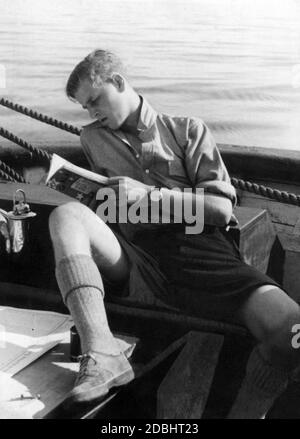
108	103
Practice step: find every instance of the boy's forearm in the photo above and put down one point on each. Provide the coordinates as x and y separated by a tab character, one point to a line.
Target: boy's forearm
210	208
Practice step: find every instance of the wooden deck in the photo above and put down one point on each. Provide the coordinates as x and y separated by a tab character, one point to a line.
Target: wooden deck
174	384
185	357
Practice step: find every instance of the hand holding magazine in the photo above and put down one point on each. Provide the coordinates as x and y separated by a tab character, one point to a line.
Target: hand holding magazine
74	181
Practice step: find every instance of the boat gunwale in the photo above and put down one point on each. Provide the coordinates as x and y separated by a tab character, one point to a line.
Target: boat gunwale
251	163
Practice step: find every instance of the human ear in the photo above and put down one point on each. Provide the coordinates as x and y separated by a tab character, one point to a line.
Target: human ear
118	81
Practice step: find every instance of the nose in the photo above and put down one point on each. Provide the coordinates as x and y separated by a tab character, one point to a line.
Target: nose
92	111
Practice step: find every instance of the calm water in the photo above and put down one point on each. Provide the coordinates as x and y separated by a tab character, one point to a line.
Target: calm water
234	63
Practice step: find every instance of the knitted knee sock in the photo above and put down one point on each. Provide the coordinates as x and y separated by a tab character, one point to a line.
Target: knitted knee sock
262	384
82	290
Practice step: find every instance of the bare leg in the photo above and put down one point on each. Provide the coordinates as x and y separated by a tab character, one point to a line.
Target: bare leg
85	248
75	229
270	316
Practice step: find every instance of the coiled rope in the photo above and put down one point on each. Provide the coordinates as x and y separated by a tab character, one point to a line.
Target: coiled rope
238	183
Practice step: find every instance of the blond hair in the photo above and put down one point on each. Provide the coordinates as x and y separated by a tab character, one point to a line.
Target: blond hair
98	64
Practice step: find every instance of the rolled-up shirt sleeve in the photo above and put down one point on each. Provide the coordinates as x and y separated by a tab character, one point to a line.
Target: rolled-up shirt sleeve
204	163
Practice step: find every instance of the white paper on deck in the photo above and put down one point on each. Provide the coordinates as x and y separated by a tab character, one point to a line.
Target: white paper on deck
27	334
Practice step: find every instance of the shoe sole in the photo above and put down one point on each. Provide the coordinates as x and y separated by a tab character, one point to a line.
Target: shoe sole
98	392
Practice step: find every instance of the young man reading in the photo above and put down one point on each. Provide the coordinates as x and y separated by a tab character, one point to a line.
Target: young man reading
200	274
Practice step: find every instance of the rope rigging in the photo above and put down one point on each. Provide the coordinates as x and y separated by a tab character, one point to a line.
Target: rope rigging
11	173
265	191
18	141
40	117
5	176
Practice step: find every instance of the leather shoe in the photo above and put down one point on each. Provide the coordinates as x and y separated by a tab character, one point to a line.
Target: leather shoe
98	373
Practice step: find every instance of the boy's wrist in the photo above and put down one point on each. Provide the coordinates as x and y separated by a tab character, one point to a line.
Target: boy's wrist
155	193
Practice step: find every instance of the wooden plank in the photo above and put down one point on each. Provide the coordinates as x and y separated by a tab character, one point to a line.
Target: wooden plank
279	212
254	163
283	228
184	391
264	163
296	230
255	235
128	400
290	243
247	215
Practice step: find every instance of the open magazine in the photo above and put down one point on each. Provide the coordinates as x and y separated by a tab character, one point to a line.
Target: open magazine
74	181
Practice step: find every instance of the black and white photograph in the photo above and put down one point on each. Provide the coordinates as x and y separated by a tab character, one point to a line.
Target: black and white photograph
149	212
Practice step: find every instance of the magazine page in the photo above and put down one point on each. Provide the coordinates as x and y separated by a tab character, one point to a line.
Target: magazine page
74	181
58	163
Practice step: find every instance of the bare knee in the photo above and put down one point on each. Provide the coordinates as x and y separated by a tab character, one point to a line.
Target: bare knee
76	229
271	315
73	216
65	213
278	340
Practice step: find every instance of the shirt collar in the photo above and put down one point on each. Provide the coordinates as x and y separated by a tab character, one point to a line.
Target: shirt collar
147	116
145	124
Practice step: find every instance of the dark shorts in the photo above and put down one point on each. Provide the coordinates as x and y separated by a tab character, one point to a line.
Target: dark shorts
206	274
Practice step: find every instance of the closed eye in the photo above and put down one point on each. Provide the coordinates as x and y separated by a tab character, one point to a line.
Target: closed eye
95	101
91	102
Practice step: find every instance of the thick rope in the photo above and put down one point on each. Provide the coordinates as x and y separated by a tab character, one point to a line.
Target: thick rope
41	117
32	149
5	176
11	172
259	189
275	194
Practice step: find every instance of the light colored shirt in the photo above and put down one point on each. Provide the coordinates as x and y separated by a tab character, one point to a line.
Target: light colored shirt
170	152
